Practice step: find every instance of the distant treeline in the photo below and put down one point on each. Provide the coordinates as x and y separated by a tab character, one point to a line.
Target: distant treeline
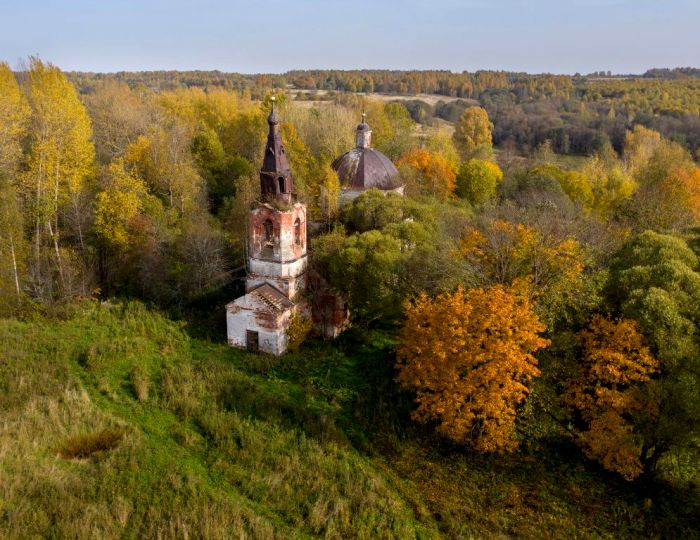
675	73
578	114
447	83
443	82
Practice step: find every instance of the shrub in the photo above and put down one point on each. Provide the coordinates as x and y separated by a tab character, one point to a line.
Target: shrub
140	382
83	446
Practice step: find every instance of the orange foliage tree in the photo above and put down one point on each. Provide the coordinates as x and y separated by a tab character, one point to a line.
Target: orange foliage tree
611	396
436	176
504	253
468	355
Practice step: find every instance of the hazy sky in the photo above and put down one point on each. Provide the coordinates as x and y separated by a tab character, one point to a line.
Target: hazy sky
561	36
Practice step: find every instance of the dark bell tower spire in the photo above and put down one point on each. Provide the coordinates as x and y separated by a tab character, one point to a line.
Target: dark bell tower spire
275	176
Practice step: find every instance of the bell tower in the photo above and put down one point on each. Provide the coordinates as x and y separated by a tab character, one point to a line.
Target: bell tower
277	228
275	175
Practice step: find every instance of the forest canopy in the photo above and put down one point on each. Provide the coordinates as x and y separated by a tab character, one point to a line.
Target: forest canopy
534	291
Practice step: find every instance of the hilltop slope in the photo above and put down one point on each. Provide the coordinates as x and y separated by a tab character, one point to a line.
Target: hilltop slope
118	423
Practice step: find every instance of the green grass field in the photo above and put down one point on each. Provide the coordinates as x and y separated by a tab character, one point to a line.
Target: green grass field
117	422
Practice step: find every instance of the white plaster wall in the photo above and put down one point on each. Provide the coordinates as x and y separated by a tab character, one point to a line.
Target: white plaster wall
263	267
237	322
240	320
272	342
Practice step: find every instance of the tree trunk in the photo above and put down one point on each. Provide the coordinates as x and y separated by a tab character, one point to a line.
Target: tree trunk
14	267
54	237
55	197
78	221
37	230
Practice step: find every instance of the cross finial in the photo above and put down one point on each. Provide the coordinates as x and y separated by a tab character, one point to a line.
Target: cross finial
364	116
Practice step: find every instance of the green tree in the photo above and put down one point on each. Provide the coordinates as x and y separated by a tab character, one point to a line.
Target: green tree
478	180
654	280
575	184
376	210
219	169
368	262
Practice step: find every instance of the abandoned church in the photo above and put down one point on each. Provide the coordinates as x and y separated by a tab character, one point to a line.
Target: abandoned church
279	286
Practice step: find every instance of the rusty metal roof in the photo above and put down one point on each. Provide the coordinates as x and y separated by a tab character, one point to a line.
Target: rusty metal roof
275	160
364	168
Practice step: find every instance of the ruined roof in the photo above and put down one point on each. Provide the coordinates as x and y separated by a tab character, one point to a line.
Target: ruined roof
364	168
272	297
266	296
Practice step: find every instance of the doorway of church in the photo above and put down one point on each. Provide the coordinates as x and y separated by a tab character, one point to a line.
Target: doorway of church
252	341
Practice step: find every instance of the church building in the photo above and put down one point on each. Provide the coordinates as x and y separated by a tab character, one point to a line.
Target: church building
364	167
277	262
278	284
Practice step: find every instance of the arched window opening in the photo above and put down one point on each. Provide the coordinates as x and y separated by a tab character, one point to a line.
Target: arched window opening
268	231
297	232
281	183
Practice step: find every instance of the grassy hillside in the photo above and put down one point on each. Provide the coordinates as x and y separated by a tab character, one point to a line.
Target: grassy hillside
117	422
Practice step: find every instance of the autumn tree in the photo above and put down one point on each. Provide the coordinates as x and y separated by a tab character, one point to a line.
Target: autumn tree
477	180
117	203
329	196
60	164
119	115
164	160
394	138
640	144
549	269
326	132
468	356
14	114
472	134
433	174
306	175
440	142
612	394
610	182
668	194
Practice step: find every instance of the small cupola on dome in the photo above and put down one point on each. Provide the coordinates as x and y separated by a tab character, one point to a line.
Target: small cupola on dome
363	134
363	167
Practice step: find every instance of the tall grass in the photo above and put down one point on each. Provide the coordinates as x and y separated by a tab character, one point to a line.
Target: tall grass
116	423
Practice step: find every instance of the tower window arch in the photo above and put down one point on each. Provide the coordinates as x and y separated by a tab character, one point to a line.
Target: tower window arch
297	231
280	180
268	231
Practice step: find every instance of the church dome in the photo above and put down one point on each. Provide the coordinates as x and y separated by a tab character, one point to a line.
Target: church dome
364	167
